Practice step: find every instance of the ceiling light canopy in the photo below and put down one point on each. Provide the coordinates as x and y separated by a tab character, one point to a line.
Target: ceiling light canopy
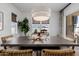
41	14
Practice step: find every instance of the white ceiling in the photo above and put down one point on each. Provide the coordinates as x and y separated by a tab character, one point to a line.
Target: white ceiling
25	7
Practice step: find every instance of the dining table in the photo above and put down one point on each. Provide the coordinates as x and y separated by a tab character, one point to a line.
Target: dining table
50	43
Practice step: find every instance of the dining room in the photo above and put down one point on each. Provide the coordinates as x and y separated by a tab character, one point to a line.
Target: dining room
39	29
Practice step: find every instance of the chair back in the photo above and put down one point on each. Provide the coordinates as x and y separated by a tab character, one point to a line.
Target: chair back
50	52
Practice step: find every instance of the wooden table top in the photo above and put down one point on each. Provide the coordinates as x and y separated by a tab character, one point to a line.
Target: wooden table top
22	41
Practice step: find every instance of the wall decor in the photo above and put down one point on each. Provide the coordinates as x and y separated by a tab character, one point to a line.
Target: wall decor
14	16
1	20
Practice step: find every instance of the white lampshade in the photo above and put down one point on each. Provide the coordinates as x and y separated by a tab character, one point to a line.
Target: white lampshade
41	15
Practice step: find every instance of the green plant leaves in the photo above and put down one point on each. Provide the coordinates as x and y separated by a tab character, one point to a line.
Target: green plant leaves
23	26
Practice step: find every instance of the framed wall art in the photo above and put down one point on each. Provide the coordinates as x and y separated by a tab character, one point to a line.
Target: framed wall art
14	17
1	20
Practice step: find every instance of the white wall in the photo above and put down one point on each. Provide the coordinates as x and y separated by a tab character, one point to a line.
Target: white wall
74	7
54	26
7	9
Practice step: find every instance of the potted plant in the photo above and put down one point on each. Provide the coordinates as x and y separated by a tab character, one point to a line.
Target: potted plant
23	26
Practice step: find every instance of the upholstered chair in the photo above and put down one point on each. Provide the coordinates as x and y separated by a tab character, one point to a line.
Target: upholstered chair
51	52
27	52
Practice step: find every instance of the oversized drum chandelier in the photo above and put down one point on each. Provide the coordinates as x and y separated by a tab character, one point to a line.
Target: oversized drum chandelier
41	14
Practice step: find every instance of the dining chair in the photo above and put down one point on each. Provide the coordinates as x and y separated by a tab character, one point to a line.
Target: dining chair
62	52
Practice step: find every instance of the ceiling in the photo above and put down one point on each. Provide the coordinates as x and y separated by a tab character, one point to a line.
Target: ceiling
26	7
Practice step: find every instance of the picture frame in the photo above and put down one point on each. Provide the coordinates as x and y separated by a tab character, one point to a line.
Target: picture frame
14	17
1	21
